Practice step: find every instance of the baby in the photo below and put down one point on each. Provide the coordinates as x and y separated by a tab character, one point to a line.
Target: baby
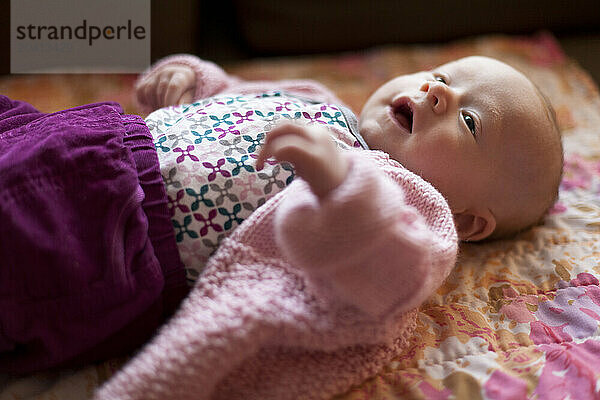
321	280
324	277
421	120
457	126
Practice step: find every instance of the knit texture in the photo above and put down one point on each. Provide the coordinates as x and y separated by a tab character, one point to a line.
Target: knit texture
307	297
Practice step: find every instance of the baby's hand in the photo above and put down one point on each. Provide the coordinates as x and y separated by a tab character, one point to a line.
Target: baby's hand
167	86
313	153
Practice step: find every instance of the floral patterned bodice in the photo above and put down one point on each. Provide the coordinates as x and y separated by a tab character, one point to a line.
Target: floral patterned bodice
207	152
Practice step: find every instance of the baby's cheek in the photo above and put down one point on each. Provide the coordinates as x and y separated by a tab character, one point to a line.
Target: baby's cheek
437	159
437	147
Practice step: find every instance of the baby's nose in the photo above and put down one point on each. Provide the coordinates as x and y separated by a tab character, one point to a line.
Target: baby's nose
436	93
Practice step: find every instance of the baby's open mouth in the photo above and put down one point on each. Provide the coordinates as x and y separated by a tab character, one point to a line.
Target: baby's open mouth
403	114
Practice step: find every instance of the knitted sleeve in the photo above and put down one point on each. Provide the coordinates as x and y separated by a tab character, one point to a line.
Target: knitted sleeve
210	78
372	248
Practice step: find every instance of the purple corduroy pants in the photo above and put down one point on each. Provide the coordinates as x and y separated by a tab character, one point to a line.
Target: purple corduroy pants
89	266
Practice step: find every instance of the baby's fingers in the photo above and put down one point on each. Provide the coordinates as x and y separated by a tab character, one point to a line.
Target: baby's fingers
172	94
264	153
289	148
187	97
269	149
176	87
161	90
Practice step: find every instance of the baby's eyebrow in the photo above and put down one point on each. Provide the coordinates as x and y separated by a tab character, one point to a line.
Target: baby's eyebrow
490	117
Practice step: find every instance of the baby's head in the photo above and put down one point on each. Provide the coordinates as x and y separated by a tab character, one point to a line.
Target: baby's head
481	133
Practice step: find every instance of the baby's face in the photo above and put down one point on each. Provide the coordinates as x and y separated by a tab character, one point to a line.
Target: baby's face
458	126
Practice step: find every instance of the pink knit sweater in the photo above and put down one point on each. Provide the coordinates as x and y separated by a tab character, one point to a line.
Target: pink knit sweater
308	296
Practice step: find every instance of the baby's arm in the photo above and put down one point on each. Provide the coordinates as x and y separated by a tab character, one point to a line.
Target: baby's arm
180	78
183	78
375	250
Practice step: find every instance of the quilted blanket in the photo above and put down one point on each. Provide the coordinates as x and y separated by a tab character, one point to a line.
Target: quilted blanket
517	318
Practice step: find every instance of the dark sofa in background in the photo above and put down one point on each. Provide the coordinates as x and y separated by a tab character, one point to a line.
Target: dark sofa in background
234	29
230	30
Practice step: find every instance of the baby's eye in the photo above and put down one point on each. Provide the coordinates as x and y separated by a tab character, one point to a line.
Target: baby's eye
470	123
440	79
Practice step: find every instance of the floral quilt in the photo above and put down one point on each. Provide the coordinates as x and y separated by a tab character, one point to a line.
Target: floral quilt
517	318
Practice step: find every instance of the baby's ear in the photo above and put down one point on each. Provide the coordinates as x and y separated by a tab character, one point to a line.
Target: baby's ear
474	225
